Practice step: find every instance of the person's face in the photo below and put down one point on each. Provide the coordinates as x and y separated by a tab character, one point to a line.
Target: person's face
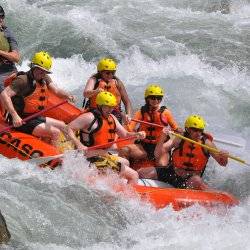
154	101
107	75
38	73
106	110
195	133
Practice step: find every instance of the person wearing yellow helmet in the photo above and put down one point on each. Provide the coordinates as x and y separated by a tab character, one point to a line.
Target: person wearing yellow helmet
43	61
27	93
99	126
151	112
106	80
188	160
9	52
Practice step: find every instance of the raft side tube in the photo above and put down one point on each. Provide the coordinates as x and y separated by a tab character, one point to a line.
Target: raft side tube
181	198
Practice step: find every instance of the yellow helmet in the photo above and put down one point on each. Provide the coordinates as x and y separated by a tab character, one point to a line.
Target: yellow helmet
106	64
42	60
106	98
153	89
195	121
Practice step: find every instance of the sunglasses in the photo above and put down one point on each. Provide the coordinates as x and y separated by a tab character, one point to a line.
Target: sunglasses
155	97
108	72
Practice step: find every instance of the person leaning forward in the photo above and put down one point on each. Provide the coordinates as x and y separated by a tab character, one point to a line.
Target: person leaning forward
9	54
27	93
151	112
99	127
188	160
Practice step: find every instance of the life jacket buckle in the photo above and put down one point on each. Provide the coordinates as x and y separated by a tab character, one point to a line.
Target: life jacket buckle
188	165
190	155
42	98
151	129
40	107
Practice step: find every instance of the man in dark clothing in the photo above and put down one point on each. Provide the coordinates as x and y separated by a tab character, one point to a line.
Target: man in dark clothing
9	54
28	93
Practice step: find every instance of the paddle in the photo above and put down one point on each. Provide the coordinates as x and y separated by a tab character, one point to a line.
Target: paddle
187	139
34	115
215	139
113	142
44	159
215	150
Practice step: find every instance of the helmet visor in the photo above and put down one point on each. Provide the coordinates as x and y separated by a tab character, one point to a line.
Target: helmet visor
32	65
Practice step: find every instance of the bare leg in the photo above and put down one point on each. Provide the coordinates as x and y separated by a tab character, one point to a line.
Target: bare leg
147	173
127	172
51	128
133	151
163	160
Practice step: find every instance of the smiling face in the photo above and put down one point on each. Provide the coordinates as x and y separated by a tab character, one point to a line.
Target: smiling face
154	101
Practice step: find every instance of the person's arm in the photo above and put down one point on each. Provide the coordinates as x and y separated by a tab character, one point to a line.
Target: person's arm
13	56
122	132
125	98
169	118
132	124
60	92
221	157
89	90
81	122
165	144
6	95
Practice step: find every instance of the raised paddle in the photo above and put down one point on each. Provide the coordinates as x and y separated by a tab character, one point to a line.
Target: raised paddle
187	139
215	139
34	115
215	150
41	160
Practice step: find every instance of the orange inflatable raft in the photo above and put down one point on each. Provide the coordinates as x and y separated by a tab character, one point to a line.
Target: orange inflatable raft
15	144
23	146
161	197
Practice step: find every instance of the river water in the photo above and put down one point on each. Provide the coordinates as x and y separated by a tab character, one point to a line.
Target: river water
199	51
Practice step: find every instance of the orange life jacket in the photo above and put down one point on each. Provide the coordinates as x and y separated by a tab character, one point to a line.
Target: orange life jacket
34	101
190	156
152	132
110	86
104	132
38	100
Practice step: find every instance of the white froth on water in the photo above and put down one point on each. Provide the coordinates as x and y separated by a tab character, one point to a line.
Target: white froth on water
200	57
60	211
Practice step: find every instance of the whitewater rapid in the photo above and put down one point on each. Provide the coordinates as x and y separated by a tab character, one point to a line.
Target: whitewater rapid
200	57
